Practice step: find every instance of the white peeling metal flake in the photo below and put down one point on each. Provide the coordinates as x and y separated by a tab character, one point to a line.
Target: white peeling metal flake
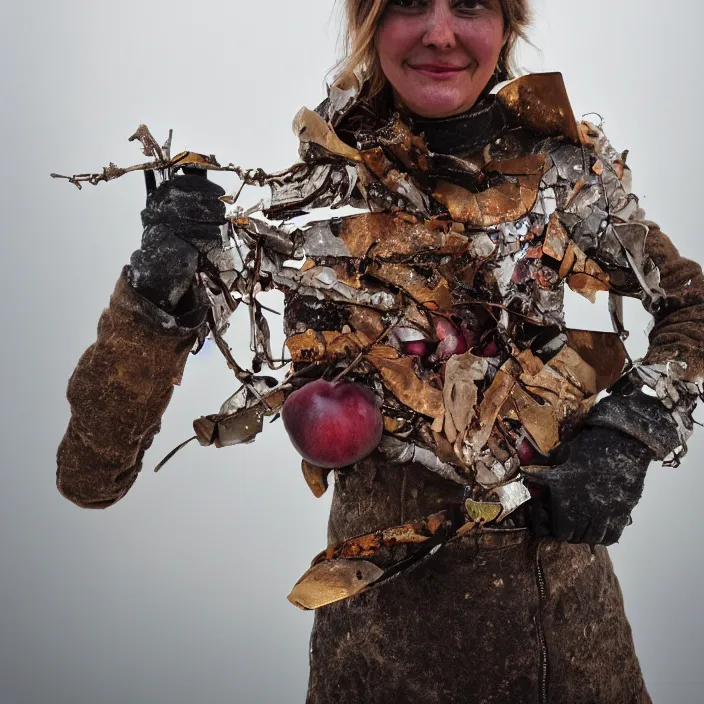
511	496
676	394
629	209
407	334
223	258
546	203
503	275
320	241
603	146
325	276
432	462
301	186
550	177
487	475
550	305
400	452
569	162
247	395
582	203
417	199
516	228
481	246
352	180
380	299
322	283
632	237
341	97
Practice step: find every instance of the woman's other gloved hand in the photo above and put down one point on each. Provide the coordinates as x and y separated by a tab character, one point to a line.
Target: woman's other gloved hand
588	497
181	222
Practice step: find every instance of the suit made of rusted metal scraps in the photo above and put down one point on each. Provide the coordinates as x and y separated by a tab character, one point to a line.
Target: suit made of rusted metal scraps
465	251
444	296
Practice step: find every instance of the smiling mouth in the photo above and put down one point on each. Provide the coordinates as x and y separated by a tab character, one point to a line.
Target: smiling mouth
438	70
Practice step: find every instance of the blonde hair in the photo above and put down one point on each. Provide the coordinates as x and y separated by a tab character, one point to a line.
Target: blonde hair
362	18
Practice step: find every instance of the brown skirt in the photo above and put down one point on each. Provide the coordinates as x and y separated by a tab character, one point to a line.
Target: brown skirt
496	619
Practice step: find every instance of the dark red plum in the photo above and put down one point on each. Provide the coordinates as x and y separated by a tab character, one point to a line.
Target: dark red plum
526	452
416	348
452	340
491	349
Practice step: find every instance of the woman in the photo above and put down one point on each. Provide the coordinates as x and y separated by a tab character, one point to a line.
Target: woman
482	207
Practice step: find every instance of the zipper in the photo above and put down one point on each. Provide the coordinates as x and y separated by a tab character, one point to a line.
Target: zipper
542	598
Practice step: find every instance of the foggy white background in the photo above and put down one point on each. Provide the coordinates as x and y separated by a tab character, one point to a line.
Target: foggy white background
178	593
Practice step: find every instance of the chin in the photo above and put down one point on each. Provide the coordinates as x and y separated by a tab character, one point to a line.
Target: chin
438	103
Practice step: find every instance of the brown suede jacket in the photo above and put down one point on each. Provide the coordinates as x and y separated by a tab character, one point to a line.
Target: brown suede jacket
118	393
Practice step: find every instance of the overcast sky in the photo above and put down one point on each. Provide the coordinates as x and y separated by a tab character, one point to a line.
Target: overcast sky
178	593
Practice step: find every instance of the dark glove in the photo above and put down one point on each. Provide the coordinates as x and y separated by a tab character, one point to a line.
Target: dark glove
181	223
639	415
588	497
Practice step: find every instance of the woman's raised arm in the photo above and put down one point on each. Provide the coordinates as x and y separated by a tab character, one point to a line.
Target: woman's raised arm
124	381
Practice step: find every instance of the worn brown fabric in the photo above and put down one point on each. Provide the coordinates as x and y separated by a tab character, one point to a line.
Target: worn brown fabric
459	628
470	626
118	393
467	624
591	657
678	333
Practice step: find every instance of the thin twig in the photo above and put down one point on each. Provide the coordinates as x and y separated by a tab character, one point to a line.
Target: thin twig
364	351
250	177
173	452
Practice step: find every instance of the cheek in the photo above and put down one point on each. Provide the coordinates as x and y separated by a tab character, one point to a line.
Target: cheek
483	41
394	40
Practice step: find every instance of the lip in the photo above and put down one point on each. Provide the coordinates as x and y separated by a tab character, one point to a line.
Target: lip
437	70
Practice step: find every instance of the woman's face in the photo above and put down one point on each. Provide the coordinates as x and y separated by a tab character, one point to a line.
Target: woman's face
438	55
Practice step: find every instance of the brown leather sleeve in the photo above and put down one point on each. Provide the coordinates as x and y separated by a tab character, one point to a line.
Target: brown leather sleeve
118	392
678	333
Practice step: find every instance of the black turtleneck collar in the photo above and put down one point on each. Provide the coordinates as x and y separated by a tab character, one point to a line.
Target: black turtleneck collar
459	135
466	133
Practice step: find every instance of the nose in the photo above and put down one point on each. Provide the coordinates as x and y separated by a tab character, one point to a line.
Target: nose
440	32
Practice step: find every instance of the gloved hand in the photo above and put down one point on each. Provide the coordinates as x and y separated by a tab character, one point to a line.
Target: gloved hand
588	497
181	222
